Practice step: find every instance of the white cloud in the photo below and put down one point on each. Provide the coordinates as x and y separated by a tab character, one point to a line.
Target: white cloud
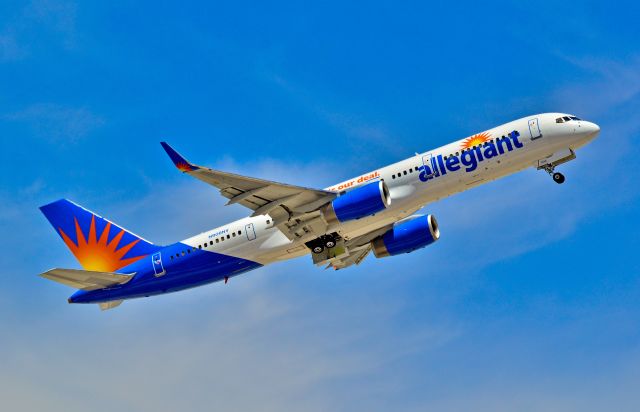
257	343
616	83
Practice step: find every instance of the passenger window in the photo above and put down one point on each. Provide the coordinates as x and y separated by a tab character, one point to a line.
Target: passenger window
217	240
222	239
199	246
211	243
393	176
239	232
410	170
234	234
228	237
405	172
183	253
188	250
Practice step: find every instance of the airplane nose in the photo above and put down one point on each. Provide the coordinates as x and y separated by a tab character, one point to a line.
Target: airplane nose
590	129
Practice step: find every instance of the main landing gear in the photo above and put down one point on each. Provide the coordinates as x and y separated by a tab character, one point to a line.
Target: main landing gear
556	176
318	245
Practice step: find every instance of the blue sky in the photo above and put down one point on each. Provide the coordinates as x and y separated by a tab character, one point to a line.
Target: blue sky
530	300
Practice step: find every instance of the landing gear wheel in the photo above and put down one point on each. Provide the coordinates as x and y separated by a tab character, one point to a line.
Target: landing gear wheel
317	248
558	178
329	243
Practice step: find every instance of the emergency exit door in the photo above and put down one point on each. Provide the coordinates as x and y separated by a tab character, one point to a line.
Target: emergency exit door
250	231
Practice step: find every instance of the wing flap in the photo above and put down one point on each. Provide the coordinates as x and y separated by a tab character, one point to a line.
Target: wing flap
86	279
109	305
354	257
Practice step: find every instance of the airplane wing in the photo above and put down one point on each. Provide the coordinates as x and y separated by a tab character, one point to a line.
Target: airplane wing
283	202
86	279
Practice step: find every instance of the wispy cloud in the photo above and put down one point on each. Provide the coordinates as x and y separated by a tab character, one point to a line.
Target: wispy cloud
265	345
364	134
56	122
615	83
55	18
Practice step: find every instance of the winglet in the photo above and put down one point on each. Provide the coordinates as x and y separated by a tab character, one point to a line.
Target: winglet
181	163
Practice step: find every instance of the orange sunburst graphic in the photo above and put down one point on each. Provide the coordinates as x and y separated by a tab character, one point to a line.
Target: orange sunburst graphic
97	254
184	167
476	139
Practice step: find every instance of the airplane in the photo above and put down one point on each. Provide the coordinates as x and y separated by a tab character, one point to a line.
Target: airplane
339	225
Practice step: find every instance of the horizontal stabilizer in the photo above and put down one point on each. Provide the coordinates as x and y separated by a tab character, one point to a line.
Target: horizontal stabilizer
86	279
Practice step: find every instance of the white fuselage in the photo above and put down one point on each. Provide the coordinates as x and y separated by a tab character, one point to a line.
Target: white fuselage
412	185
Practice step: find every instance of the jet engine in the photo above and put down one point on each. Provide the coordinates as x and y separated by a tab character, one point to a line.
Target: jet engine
407	236
360	202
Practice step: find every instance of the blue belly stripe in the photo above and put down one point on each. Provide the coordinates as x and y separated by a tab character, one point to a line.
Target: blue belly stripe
196	268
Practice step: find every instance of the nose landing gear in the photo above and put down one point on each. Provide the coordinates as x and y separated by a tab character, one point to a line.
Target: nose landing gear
556	176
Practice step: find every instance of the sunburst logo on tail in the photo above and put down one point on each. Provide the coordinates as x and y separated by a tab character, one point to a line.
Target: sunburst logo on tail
98	253
476	139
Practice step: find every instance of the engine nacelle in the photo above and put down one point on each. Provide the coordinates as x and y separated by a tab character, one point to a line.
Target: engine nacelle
407	236
360	202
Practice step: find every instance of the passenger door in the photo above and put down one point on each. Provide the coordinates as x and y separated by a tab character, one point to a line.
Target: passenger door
156	261
428	160
534	129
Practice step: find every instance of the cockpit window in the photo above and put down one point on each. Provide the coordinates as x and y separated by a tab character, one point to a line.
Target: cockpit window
566	119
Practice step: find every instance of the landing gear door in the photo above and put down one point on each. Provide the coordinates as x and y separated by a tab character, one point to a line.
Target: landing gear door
156	261
534	129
